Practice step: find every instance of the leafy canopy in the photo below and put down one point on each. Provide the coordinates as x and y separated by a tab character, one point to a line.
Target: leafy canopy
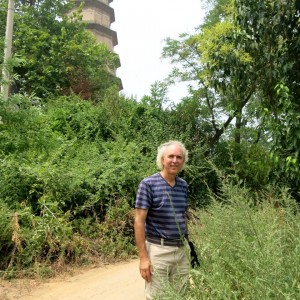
59	55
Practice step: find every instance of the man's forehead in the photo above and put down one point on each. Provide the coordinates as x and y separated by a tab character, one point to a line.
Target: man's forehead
174	149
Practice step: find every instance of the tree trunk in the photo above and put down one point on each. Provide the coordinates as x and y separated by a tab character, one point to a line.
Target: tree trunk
238	125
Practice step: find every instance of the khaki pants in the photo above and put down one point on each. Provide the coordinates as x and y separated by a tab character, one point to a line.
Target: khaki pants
171	265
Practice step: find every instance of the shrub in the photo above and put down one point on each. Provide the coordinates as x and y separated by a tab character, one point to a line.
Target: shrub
248	250
6	234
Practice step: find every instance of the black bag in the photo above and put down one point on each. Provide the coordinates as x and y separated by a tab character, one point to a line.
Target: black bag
194	258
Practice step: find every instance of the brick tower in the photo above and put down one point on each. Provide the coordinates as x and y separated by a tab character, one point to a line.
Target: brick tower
99	16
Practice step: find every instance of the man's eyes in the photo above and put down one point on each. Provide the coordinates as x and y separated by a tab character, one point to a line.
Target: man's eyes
172	156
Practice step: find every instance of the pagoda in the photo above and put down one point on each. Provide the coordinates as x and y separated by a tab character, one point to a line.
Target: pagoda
99	17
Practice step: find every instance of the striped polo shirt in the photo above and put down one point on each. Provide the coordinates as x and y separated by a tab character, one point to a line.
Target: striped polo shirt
166	206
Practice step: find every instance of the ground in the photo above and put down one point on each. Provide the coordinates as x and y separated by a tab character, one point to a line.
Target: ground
111	282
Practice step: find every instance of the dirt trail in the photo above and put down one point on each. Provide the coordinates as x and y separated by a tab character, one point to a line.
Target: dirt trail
121	281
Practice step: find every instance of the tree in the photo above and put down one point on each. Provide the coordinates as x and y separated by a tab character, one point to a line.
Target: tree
59	55
246	66
214	61
271	36
217	11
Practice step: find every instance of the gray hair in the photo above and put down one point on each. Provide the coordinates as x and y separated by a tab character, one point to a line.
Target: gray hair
162	149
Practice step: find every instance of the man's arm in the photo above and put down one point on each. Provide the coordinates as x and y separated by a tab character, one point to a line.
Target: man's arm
140	238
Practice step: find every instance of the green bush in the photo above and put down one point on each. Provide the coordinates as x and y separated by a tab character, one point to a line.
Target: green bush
6	234
249	163
248	247
38	245
69	172
201	177
23	127
57	195
117	237
29	239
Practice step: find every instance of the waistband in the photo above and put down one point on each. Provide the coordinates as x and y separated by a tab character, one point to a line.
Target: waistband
165	242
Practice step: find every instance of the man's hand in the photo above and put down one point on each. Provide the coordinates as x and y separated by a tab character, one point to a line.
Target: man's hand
146	269
139	228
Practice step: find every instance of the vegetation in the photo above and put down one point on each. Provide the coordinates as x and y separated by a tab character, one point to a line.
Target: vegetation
245	72
71	159
248	245
55	55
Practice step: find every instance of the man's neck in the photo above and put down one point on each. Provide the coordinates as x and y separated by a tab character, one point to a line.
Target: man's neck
169	178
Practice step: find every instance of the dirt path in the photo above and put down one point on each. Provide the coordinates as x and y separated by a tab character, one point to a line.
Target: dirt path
121	281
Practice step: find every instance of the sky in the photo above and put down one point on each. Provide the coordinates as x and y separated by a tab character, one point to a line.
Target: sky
141	27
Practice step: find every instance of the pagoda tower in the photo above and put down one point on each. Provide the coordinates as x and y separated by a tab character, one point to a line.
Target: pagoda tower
99	16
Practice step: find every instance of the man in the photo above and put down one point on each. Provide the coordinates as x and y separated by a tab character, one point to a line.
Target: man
160	223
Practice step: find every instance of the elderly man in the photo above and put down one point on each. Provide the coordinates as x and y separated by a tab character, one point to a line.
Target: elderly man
160	223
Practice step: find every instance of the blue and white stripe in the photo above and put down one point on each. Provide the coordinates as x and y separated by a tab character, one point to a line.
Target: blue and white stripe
166	206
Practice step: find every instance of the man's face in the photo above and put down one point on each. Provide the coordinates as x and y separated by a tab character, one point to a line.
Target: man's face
173	160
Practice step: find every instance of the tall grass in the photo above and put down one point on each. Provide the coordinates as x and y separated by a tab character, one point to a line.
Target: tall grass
44	245
249	248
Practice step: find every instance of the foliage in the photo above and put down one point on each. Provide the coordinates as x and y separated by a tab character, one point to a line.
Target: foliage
250	164
33	244
217	10
271	36
245	78
6	241
75	166
118	223
248	246
69	168
59	55
60	170
66	173
286	139
212	62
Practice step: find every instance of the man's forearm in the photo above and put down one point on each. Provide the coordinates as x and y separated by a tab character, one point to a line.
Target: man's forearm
145	264
140	239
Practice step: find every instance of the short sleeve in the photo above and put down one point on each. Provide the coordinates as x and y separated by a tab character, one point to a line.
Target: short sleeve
143	196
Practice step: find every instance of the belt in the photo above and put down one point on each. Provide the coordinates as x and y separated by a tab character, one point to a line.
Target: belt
165	242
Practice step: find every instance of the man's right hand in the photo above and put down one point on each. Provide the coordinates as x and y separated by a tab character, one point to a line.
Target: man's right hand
146	269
